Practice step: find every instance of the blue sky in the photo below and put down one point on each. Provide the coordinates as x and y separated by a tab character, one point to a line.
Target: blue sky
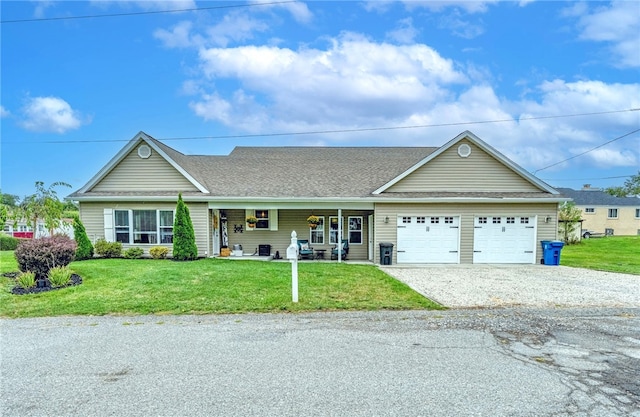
75	90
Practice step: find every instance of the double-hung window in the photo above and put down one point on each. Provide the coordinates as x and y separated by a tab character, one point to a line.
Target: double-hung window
333	230
317	234
355	230
612	213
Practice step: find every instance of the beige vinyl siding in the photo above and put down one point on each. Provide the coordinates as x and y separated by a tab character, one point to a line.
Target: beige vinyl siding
136	174
92	216
289	220
386	232
480	172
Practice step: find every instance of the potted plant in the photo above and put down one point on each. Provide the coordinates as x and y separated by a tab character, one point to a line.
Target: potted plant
252	220
313	221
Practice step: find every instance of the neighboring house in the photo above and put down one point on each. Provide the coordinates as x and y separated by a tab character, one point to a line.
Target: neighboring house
23	231
463	202
606	214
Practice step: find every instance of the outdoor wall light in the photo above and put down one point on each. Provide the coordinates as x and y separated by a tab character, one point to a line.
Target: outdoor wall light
386	219
547	219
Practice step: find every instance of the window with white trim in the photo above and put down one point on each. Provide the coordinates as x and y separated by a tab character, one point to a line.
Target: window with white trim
333	230
612	213
497	220
406	219
638	213
590	210
317	234
421	219
355	230
121	223
435	220
524	220
482	220
263	219
143	226
448	220
511	220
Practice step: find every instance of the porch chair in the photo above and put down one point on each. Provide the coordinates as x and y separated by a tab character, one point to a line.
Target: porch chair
304	250
344	251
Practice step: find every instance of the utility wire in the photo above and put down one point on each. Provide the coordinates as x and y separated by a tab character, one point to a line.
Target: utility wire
144	13
587	151
367	129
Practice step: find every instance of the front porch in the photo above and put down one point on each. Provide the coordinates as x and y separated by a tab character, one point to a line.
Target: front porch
271	235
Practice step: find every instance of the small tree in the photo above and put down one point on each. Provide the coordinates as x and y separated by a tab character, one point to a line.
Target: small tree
184	237
569	218
43	205
85	248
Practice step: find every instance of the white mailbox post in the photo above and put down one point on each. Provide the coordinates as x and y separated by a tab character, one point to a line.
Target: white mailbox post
292	256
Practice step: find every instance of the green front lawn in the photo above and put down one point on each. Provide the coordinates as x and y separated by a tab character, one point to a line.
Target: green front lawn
612	253
145	286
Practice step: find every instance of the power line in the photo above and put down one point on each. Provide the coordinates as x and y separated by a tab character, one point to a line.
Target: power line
367	129
587	151
144	13
586	179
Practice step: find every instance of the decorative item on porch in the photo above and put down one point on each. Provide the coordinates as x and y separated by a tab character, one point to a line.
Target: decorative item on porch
252	220
313	221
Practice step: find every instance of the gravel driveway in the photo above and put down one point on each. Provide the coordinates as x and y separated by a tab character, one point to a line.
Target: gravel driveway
473	286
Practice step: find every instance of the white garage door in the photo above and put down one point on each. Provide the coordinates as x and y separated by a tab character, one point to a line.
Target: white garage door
504	240
428	239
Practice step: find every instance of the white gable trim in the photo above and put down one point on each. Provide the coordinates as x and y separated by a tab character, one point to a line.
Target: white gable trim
482	145
140	137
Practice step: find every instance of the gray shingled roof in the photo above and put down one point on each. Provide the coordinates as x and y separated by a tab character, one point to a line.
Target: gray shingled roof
301	171
598	198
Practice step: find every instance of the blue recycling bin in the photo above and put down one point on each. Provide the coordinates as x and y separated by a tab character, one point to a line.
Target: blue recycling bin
551	251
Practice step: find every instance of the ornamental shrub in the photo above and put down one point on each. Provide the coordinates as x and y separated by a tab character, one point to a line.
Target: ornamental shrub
59	276
26	280
40	255
134	253
159	252
8	242
184	238
108	249
85	248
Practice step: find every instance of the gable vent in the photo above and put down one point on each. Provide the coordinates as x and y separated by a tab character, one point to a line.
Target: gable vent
144	151
464	150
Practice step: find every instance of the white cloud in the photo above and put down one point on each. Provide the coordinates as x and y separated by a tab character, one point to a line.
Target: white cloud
179	36
405	33
50	114
350	82
4	112
234	27
439	6
618	25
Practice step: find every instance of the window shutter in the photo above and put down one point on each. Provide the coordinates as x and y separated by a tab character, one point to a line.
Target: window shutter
108	225
273	219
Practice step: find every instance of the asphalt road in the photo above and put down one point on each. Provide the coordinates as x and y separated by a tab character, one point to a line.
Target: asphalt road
507	362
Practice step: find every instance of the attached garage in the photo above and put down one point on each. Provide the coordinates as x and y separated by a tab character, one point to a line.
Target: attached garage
504	239
428	239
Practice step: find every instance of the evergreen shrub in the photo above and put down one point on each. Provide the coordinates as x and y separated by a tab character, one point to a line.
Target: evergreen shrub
134	253
8	242
184	237
159	252
85	248
108	249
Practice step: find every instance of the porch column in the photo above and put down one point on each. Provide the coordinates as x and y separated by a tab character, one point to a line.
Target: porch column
339	245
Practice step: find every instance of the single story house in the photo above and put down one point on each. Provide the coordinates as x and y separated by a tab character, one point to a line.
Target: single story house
603	213
463	202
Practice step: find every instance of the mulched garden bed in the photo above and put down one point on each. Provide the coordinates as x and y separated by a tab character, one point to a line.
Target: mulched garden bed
18	290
